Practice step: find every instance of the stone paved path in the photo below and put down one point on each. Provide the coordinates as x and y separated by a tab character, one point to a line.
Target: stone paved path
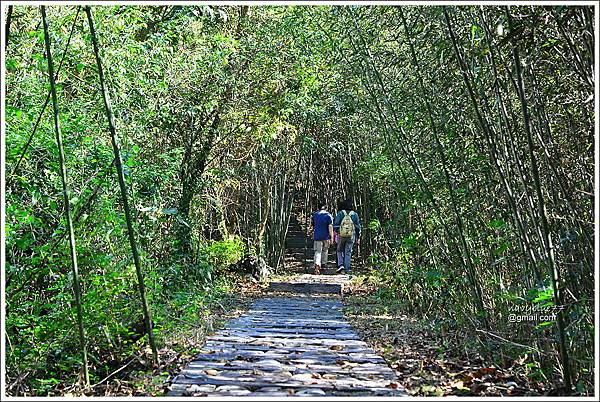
287	346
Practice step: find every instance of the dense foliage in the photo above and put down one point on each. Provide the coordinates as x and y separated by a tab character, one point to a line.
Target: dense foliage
464	135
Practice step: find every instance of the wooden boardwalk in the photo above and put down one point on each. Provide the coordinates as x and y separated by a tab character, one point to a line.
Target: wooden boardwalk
308	283
287	346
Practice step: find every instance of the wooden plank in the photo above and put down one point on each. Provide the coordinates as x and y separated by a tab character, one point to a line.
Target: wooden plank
269	380
327	341
293	313
291	325
255	356
244	367
279	318
332	333
305	287
190	389
287	333
220	347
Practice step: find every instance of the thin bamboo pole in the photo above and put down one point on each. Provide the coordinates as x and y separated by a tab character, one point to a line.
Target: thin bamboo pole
63	176
124	199
555	274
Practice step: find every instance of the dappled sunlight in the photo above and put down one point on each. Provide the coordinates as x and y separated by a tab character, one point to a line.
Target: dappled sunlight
276	355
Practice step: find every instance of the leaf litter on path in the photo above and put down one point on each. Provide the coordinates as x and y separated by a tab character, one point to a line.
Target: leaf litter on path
424	364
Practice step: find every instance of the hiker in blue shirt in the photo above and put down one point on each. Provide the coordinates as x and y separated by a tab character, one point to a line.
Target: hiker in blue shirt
347	227
322	222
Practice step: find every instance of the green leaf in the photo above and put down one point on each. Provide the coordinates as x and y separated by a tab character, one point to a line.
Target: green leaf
503	247
374	224
497	224
11	64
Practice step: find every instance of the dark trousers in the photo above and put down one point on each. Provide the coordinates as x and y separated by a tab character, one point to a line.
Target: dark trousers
344	252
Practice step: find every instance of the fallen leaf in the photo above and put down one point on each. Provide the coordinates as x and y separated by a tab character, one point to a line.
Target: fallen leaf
457	384
487	370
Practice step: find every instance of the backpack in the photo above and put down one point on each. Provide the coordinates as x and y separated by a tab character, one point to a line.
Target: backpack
347	225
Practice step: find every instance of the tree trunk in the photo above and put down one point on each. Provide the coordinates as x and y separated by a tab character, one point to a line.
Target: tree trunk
7	27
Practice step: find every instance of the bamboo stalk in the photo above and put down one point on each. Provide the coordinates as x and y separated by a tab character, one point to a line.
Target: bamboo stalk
543	214
63	176
123	187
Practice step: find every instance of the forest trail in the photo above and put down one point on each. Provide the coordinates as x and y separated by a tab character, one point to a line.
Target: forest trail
288	346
